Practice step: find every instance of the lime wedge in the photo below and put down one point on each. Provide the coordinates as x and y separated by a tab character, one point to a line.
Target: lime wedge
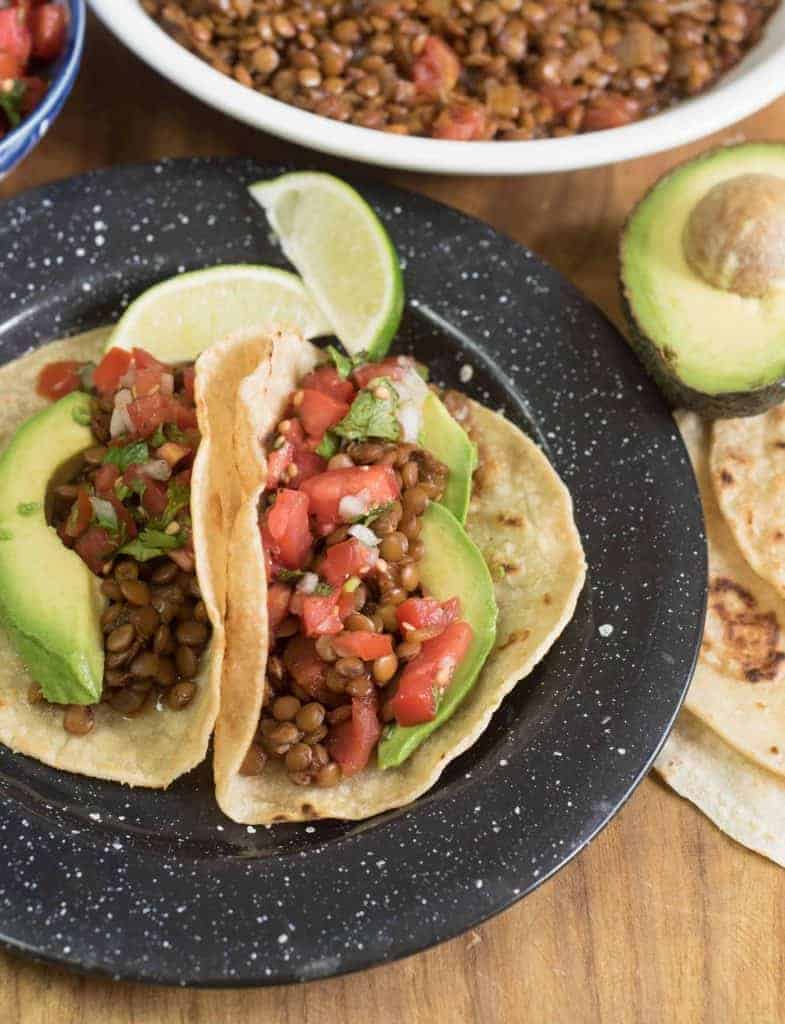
343	253
182	316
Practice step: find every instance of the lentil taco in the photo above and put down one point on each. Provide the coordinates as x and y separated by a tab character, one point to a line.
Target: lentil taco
400	559
115	505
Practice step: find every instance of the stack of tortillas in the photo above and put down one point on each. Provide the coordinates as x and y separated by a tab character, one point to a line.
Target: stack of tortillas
727	752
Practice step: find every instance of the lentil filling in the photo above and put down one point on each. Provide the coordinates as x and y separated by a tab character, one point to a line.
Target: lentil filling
354	641
125	510
471	69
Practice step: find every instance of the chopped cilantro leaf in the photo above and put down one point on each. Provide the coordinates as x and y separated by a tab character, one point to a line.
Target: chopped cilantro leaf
370	415
328	445
322	590
344	364
11	101
158	438
152	544
289	575
128	455
174	433
373	514
122	490
178	497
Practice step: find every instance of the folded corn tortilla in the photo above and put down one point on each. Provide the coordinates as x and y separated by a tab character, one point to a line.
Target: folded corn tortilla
151	749
521	518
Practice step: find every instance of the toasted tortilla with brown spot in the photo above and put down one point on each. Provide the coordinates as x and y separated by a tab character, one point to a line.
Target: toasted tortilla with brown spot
539	545
748	473
153	748
739	685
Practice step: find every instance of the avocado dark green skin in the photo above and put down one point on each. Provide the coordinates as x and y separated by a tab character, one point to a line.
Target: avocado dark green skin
726	405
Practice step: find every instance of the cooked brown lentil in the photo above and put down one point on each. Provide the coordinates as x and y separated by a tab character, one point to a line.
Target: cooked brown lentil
463	69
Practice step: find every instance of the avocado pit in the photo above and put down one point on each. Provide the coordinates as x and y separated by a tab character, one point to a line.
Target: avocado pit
735	236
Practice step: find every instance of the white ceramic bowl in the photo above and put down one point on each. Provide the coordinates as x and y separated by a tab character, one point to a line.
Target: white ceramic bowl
758	80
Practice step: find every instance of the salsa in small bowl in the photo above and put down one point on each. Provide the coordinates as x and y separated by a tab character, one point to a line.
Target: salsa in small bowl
40	50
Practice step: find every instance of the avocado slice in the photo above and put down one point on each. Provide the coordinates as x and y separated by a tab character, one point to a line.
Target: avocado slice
445	438
451	566
50	602
702	279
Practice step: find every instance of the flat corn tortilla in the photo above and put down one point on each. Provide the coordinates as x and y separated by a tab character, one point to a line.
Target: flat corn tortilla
738	688
744	800
157	746
522	519
748	472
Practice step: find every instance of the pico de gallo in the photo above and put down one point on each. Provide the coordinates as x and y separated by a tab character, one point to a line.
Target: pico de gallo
356	643
32	37
126	512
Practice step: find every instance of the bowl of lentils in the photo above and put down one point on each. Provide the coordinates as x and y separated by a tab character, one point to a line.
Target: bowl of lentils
469	86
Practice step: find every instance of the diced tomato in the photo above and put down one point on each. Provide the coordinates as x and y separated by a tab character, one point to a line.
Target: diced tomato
318	412
112	367
80	515
437	69
562	97
351	742
462	122
309	464
58	379
143	360
426	615
10	67
349	558
15	37
287	525
189	383
147	381
394	367
155	497
124	517
277	461
327	380
95	547
181	414
359	643
320	614
305	666
184	558
35	90
278	595
610	110
429	674
375	485
105	479
48	23
147	413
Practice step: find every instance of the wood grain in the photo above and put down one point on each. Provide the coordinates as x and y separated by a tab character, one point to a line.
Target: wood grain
662	918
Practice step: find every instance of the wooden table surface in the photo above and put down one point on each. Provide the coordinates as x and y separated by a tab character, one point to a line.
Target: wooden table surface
662	918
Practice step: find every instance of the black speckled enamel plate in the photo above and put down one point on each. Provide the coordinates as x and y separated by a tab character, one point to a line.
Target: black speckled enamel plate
160	886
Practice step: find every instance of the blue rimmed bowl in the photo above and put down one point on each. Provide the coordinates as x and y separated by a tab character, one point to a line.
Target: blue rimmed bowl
18	143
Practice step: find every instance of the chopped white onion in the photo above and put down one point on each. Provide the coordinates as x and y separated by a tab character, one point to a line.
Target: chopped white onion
410	419
103	509
352	506
364	534
157	469
120	422
308	583
167	383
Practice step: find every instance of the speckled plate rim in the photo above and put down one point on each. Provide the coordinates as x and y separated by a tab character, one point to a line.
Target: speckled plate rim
591	738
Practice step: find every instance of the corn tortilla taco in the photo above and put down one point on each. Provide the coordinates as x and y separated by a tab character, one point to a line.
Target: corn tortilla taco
399	561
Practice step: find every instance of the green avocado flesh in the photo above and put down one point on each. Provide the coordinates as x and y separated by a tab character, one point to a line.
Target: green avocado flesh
697	339
49	600
445	438
452	566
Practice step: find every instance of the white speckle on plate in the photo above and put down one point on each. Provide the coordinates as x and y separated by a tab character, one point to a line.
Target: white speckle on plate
605	629
466	373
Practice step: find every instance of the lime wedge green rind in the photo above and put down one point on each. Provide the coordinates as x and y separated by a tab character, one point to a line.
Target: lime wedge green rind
342	251
180	317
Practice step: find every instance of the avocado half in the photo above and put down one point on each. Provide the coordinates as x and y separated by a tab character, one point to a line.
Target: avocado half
711	342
